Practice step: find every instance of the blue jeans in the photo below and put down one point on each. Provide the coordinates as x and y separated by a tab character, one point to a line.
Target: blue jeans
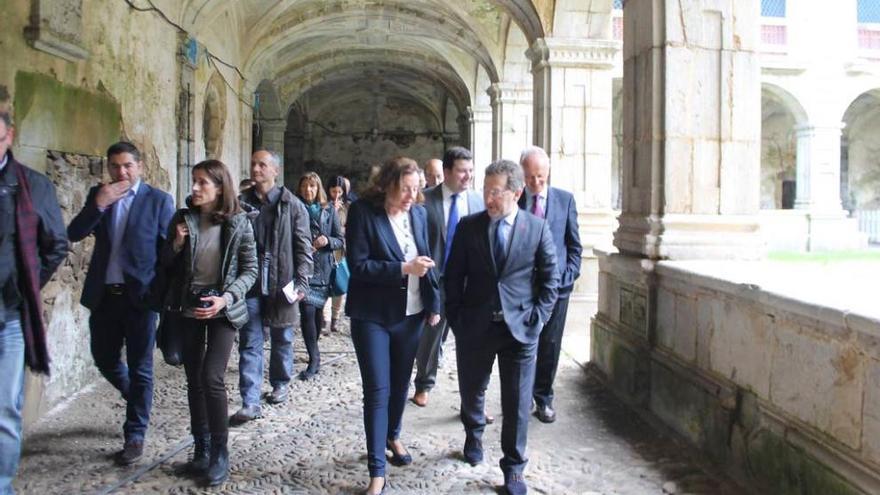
385	357
115	323
12	371
250	351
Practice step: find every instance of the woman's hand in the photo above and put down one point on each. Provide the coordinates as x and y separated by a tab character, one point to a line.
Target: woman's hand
320	242
433	319
418	266
180	236
217	304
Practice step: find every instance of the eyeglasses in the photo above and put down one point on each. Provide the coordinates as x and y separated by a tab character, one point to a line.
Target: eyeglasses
495	193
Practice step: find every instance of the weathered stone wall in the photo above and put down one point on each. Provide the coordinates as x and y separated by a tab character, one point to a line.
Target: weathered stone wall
88	73
784	390
864	163
778	161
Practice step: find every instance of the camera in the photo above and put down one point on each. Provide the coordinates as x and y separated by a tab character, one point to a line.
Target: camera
196	295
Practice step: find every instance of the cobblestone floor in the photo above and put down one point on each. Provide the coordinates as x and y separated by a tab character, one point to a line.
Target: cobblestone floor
315	442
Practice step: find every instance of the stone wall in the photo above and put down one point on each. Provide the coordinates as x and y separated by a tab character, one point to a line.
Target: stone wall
81	75
783	391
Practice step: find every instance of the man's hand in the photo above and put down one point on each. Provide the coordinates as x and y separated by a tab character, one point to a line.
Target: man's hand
111	193
433	319
419	266
217	303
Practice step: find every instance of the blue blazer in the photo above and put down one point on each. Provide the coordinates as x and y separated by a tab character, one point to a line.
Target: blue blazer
525	287
148	218
377	290
561	217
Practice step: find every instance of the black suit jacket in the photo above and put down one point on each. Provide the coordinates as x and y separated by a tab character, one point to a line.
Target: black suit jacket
377	288
561	216
148	219
526	285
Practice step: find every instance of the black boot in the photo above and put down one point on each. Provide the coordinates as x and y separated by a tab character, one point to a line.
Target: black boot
199	462
218	468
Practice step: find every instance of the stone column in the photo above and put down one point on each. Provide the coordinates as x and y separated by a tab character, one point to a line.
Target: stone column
691	183
572	122
273	139
511	119
481	143
691	159
818	189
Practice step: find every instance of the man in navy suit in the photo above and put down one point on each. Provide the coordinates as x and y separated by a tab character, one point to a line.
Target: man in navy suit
445	204
129	220
558	208
498	299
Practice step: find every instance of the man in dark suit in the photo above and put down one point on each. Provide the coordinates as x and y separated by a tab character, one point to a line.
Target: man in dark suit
498	299
558	208
446	203
129	220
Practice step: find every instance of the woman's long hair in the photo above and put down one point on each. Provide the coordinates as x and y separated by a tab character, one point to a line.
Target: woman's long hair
219	175
387	180
316	180
338	181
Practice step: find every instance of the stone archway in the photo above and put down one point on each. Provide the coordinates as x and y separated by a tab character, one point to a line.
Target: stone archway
781	112
214	117
860	154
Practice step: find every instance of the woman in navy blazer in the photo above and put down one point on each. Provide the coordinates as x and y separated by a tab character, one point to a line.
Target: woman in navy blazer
391	293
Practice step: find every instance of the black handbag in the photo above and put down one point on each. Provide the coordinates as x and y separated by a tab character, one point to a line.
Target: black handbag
169	336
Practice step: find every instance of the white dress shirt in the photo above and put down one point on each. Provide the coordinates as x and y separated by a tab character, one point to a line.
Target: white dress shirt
403	232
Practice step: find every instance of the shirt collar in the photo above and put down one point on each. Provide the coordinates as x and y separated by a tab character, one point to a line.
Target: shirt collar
136	186
447	193
510	218
5	161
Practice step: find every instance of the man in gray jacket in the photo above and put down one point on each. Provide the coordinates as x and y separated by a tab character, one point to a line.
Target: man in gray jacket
284	251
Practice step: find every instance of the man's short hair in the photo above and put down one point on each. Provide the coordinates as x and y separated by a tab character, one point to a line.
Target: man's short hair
514	173
124	147
532	151
276	158
456	153
6	117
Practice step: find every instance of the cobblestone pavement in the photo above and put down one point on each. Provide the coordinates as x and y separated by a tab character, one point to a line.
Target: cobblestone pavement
315	442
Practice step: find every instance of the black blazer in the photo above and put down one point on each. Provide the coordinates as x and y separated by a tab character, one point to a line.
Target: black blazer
148	220
377	289
561	216
526	285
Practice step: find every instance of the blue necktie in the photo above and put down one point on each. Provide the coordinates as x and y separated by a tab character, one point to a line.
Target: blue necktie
500	244
450	227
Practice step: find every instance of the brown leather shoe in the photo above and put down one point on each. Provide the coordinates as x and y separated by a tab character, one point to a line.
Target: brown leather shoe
420	398
131	452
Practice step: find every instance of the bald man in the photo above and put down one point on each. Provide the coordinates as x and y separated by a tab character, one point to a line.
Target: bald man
433	172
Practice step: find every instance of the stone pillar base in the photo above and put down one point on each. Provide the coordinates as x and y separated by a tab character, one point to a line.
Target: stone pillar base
834	231
680	236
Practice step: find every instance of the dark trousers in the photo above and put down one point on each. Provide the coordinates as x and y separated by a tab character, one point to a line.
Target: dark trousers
205	367
516	366
385	356
549	346
308	322
117	322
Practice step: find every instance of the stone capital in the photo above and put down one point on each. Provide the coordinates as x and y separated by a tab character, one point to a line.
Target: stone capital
809	130
583	53
504	92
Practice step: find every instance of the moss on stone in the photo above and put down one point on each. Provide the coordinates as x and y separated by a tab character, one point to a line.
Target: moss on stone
55	116
789	470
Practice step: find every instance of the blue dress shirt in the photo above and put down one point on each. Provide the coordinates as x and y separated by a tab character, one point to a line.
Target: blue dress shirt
119	219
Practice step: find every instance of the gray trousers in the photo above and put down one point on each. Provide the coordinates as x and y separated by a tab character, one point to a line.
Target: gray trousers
429	354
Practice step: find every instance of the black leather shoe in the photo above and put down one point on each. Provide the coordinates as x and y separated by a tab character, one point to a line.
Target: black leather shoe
131	452
473	450
515	484
201	455
245	414
545	414
309	373
278	395
218	467
396	459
